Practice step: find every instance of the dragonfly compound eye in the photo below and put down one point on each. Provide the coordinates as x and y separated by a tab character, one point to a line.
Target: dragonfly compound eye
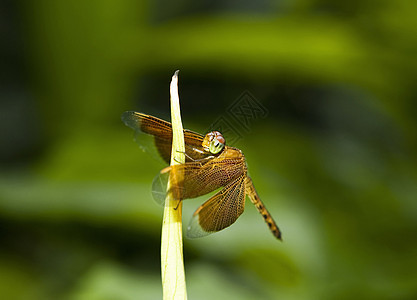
218	136
215	146
213	142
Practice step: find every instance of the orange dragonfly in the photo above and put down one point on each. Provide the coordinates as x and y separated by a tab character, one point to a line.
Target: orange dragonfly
210	165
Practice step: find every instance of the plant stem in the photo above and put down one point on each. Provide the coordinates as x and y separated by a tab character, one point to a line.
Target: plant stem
172	262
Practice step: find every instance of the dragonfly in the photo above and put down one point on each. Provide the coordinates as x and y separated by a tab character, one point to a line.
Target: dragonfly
210	165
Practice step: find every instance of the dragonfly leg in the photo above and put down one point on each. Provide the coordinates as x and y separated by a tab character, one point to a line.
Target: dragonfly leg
177	160
195	160
178	204
183	152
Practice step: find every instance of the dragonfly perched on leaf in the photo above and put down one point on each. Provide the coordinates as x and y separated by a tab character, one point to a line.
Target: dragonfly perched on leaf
210	165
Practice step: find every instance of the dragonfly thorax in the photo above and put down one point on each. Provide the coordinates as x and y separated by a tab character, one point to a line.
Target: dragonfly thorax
214	142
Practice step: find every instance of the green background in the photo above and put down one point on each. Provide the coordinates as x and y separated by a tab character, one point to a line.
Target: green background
334	160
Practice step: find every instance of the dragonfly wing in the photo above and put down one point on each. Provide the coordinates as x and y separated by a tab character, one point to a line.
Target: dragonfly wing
205	176
159	187
164	147
162	132
194	179
147	124
147	128
193	149
160	182
220	211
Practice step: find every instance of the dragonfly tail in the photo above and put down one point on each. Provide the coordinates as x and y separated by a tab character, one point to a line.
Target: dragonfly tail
254	198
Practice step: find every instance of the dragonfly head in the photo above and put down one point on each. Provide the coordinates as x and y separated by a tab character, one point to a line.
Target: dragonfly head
214	142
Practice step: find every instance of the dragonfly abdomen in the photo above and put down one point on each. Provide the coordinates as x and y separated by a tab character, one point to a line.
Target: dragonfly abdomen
254	197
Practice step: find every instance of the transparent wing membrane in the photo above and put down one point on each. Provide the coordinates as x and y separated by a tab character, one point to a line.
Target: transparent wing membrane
149	143
159	187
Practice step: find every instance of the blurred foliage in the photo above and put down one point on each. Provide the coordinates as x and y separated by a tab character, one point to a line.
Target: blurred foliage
334	160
